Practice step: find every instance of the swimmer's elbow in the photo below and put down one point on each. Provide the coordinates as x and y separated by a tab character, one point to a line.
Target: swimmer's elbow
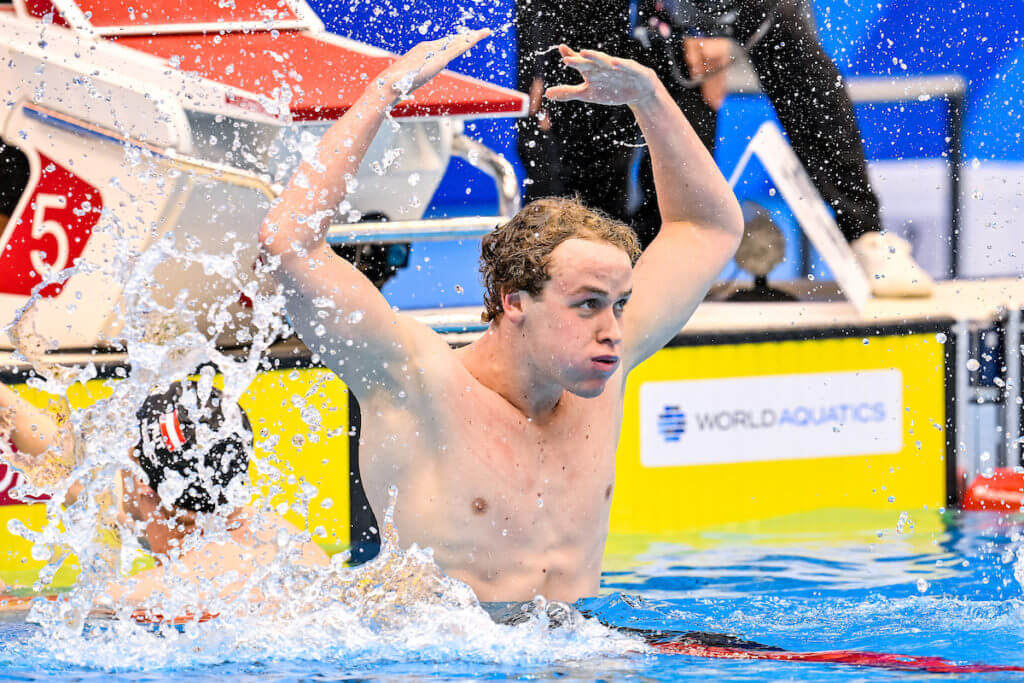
730	219
736	220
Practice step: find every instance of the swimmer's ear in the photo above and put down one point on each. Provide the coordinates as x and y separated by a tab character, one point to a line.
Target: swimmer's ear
512	305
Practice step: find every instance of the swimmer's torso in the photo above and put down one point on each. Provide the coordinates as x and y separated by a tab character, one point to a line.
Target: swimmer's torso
512	507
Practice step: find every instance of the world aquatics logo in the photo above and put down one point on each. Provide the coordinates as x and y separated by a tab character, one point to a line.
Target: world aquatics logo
671	423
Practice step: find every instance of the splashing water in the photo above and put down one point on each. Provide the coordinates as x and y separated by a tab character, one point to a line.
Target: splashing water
398	606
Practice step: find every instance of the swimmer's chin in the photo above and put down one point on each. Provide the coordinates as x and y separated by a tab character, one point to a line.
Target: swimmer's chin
589	390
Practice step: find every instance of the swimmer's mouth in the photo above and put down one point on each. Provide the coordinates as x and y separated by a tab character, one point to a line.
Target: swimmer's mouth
606	362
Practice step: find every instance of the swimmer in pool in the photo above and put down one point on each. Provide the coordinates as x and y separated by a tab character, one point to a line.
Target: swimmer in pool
162	504
504	450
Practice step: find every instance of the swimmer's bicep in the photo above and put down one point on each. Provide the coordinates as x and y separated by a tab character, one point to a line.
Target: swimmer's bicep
339	314
669	282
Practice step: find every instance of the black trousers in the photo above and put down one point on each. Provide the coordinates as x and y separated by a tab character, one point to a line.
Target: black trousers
801	82
580	149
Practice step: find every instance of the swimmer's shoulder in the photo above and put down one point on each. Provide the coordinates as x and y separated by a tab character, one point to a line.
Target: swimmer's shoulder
430	368
258	529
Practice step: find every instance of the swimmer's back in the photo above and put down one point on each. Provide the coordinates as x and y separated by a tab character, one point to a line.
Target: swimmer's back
224	568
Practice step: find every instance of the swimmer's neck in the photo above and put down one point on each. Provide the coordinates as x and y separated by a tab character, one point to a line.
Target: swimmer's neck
500	360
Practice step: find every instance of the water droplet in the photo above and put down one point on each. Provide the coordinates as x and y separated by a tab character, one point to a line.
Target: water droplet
922	586
540	502
941	337
973	365
298	440
904	523
327	503
355	317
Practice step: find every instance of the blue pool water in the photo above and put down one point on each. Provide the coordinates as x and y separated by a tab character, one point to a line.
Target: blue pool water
946	588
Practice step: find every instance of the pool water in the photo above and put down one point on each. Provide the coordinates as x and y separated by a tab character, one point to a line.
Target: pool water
948	587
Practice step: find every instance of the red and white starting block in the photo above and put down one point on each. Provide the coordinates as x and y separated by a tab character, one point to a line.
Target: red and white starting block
161	116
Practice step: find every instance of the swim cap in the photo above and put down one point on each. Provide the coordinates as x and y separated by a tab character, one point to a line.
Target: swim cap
170	453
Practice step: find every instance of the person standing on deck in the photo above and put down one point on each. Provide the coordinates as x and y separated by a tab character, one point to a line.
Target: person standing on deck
503	451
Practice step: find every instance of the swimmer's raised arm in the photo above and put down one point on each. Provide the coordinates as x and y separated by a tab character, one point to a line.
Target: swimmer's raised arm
701	219
365	341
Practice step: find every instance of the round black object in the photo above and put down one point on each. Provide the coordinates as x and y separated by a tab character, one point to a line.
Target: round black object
170	450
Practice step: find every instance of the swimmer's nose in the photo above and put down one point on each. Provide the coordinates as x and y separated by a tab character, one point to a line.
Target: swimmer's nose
610	330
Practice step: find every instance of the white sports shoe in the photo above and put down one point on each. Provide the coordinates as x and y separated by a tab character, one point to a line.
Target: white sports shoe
887	261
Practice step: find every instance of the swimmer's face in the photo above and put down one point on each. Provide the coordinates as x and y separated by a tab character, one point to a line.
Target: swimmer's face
156	524
575	325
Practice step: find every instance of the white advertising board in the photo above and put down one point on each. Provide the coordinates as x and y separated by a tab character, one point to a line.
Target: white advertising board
775	417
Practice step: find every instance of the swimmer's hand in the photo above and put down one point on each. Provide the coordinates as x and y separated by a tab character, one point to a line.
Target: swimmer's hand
426	60
606	79
43	450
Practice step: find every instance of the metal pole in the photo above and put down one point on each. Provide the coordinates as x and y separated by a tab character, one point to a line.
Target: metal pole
962	403
425	230
496	166
1012	390
956	106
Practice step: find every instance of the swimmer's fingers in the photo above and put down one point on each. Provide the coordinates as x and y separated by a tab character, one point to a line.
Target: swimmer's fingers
564	93
598	57
459	43
427	59
577	60
580	64
567	51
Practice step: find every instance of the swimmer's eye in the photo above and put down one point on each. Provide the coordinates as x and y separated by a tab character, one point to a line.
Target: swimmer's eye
589	305
620	305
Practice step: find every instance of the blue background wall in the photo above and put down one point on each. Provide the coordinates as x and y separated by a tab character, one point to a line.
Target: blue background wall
982	41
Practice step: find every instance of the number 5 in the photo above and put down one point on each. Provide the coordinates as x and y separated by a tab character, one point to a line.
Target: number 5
41	226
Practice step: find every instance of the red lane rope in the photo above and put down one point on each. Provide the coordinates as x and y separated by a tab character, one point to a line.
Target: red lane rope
149	617
883	660
12	603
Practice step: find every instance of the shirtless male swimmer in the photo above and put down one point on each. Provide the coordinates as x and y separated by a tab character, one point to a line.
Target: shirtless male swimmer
503	451
169	448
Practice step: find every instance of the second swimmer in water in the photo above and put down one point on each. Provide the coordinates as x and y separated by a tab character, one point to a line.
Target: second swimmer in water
182	478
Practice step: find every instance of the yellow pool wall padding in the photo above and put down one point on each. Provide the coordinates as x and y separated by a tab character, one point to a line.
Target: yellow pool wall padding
668	500
821	498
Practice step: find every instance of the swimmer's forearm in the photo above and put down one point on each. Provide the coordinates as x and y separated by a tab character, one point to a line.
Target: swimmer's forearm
299	219
689	186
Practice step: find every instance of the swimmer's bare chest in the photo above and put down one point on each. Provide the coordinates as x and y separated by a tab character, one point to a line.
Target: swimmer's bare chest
513	507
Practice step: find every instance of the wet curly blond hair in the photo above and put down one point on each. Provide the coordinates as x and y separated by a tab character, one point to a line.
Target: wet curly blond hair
515	256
